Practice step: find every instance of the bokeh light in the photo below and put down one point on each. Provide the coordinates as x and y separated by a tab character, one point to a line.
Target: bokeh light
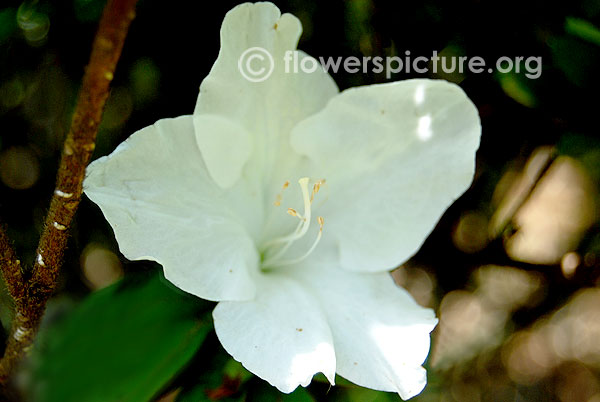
19	168
100	267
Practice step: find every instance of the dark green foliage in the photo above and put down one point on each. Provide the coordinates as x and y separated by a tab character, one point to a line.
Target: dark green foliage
123	343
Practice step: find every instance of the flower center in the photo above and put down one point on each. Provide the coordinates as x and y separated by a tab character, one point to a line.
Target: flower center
274	250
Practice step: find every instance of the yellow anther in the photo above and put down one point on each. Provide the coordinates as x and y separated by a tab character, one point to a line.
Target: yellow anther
283	243
279	196
316	188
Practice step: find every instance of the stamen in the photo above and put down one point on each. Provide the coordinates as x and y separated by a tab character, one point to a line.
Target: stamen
310	250
279	196
304	224
316	188
282	251
301	229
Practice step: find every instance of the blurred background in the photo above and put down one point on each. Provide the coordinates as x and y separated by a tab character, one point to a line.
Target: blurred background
512	269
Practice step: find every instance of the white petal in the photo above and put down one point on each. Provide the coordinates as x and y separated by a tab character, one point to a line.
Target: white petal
395	156
265	111
381	336
163	206
281	336
222	146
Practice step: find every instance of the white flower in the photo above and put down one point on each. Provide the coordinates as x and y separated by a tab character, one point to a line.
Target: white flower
368	173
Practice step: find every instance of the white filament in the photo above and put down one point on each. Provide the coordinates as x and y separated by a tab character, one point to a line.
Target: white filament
301	229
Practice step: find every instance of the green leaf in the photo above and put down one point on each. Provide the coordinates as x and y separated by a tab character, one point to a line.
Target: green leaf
198	394
218	376
339	381
576	59
261	391
359	394
583	29
123	343
234	369
516	87
584	148
7	23
346	391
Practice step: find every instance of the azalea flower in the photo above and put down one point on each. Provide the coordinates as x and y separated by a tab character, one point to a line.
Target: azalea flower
288	203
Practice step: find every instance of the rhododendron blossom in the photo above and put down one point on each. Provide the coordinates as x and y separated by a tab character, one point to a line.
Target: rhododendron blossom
288	203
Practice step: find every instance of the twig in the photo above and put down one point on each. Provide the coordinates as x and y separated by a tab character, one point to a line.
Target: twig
76	154
11	269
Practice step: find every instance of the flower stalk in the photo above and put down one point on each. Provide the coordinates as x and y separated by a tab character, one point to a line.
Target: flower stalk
31	293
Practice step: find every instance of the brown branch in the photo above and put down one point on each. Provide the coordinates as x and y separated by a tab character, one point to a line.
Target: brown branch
11	269
76	154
